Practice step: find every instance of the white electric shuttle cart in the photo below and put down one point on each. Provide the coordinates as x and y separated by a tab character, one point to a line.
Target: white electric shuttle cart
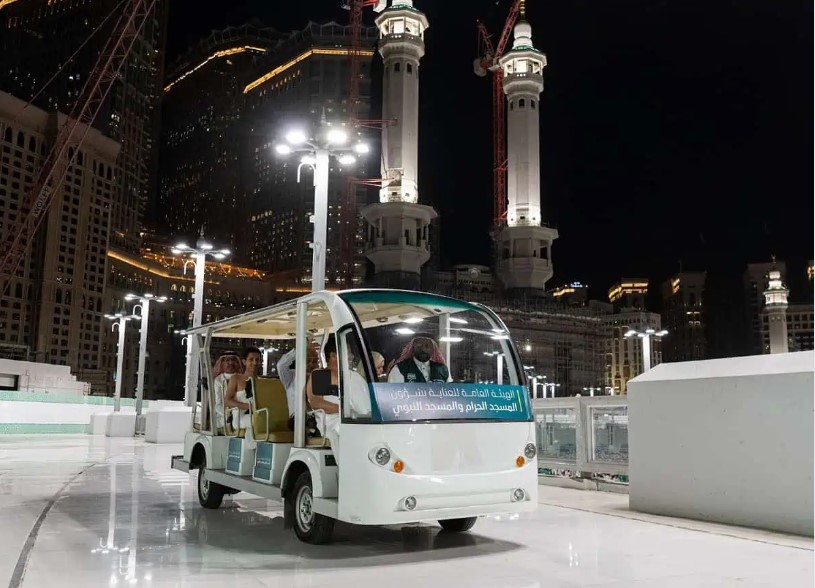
449	449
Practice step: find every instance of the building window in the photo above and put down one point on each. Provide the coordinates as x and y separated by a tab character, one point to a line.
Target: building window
522	103
397	67
410	68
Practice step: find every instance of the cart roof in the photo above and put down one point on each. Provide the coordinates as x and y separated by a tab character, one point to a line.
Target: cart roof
372	307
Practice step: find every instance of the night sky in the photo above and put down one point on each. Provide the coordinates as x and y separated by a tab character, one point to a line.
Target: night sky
671	131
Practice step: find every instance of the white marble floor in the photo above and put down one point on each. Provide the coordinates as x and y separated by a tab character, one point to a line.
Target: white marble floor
93	511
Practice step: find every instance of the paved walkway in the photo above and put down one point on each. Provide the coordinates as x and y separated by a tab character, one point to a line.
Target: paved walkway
92	511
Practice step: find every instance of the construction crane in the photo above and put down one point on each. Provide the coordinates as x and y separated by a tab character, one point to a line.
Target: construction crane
348	219
70	137
489	61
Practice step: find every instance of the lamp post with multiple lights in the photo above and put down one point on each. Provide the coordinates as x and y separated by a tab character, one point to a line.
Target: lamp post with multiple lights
646	343
197	256
144	313
121	323
327	141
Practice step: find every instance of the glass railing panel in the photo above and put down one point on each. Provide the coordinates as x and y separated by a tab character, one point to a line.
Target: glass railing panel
609	433
557	434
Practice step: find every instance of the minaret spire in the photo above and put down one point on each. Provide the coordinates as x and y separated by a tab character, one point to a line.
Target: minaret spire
398	227
524	245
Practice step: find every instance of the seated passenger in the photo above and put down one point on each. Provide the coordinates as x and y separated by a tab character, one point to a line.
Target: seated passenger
357	398
378	363
239	391
285	371
421	362
228	365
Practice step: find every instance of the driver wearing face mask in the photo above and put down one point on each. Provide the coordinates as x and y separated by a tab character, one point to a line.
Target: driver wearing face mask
421	362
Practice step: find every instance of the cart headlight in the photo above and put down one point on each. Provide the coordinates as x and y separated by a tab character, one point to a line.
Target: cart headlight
518	495
530	451
382	456
410	502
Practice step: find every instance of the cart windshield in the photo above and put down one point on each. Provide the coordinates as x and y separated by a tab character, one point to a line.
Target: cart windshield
437	358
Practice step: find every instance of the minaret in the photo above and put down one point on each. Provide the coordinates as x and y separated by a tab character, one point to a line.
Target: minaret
524	246
397	226
775	305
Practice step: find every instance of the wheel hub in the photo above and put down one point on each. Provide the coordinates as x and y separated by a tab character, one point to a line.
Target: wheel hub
203	483
305	512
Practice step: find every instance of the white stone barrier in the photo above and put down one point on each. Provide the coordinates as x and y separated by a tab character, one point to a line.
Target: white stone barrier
727	440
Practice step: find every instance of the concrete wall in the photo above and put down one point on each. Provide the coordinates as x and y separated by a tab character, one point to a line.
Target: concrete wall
34	412
727	440
39	377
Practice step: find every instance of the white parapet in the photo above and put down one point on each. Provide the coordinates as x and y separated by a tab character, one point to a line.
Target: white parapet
726	440
121	424
167	424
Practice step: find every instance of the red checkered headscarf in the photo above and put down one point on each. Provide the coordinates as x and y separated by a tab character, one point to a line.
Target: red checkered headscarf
219	366
435	357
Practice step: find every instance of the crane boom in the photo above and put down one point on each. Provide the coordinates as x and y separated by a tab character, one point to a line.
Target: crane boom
71	135
348	216
489	61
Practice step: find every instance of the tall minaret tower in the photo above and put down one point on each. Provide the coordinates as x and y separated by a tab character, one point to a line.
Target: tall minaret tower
397	226
524	246
775	305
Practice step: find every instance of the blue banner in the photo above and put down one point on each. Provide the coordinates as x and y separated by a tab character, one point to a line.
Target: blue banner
452	401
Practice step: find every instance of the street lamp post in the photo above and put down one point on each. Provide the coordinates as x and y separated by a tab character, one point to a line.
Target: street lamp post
121	322
328	141
646	343
198	256
144	309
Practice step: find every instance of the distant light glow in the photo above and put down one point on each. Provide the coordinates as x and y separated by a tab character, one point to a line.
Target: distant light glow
347	159
337	136
414	320
308	160
405	331
296	137
362	148
451	339
282	149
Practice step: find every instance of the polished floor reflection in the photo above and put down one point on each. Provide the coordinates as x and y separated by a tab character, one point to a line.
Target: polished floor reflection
95	511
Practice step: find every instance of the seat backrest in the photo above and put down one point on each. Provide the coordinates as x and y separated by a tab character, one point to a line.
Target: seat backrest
270	394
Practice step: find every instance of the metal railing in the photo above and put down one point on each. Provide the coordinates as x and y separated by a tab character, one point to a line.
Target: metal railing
584	435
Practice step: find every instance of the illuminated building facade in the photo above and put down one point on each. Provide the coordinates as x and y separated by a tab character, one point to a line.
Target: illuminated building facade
629	293
40	36
53	310
228	290
624	354
247	86
306	77
203	139
683	316
573	294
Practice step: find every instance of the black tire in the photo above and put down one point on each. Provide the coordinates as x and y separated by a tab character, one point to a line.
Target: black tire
210	494
458	525
310	527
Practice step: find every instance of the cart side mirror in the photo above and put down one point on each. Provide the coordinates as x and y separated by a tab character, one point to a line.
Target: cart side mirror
321	384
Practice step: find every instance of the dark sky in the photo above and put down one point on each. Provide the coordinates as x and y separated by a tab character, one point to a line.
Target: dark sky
670	130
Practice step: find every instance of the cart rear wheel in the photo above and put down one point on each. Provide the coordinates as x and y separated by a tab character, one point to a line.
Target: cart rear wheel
210	494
